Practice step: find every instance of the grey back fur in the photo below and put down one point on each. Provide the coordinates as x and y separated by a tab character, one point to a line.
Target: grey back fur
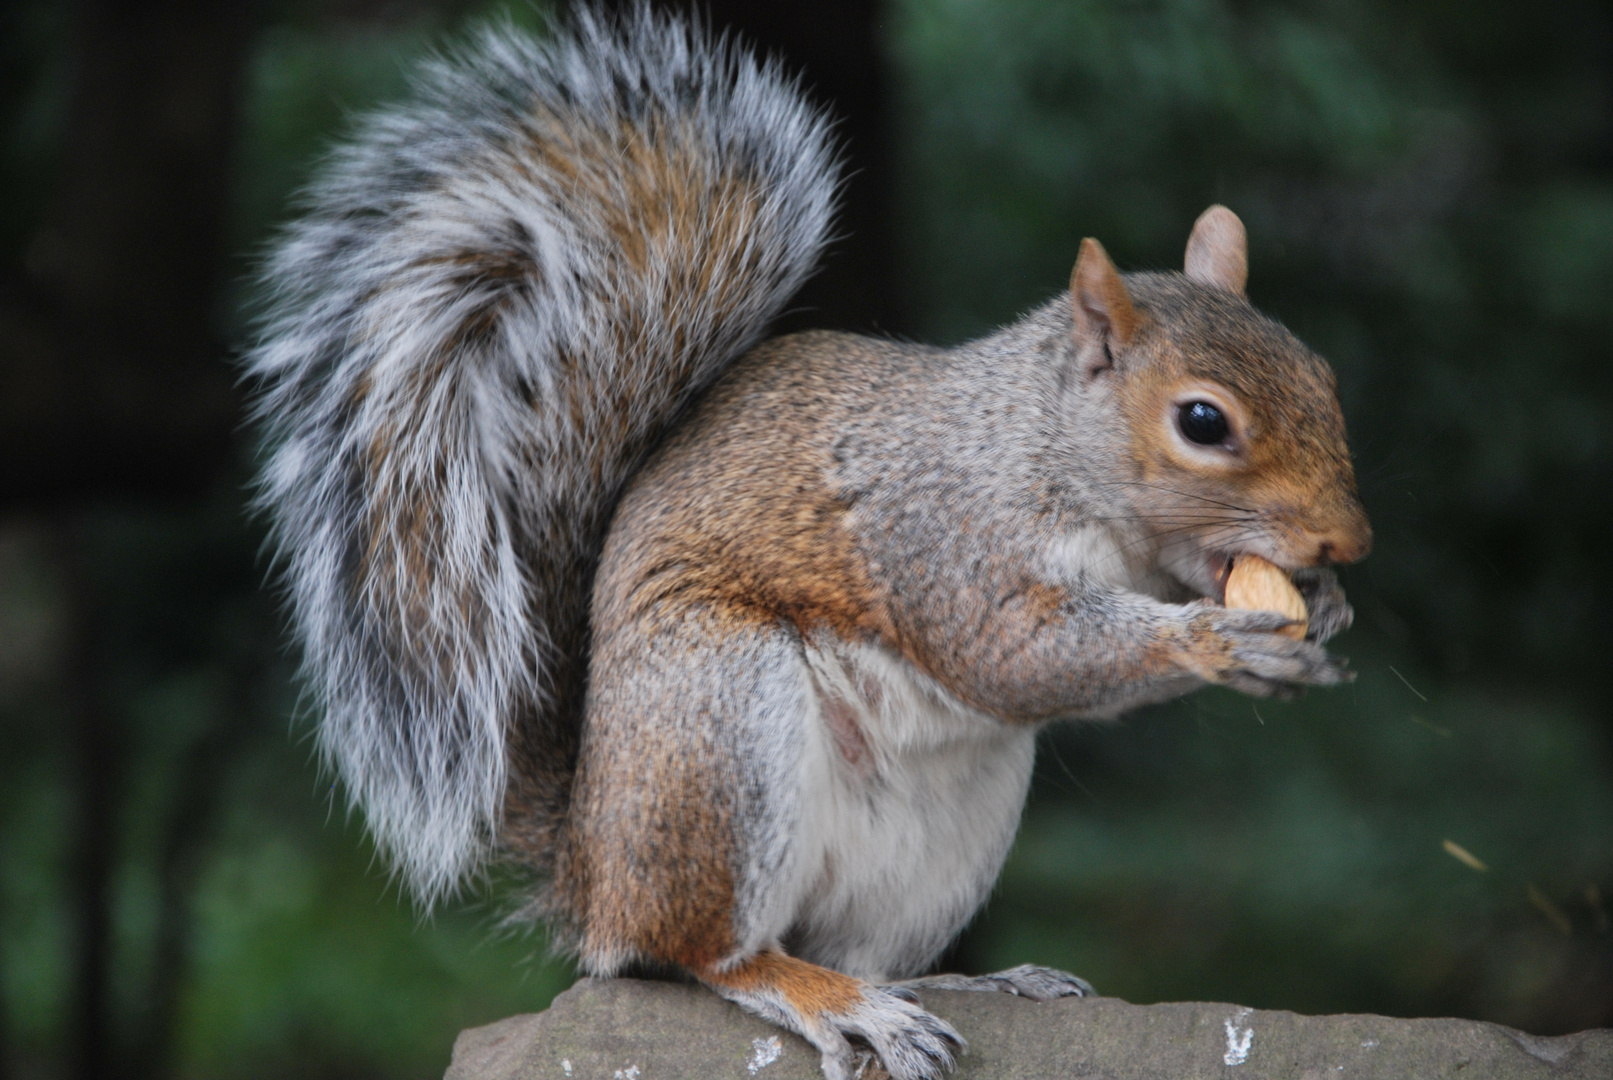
500	294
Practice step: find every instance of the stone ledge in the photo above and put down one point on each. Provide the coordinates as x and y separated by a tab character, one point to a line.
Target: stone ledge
625	1029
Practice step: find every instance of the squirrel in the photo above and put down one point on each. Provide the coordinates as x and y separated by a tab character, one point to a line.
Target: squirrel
742	647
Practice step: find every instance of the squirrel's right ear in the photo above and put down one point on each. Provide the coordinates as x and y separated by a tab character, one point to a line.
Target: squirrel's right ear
1218	251
1104	318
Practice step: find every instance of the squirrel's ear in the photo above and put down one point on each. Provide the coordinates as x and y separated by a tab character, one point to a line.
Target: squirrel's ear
1104	317
1218	251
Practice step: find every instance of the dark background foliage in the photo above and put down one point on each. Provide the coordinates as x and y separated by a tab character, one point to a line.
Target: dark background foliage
1429	192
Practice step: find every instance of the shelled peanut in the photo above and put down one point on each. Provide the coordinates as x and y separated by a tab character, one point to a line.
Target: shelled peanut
1256	585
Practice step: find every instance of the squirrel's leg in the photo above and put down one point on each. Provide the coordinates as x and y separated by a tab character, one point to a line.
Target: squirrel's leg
829	1009
684	841
1026	981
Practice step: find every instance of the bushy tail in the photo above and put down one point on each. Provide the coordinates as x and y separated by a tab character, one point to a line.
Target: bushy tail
499	296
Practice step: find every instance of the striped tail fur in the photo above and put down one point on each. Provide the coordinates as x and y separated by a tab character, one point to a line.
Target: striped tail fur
497	298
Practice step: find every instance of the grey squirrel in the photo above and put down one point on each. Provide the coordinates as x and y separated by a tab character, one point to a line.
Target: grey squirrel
742	648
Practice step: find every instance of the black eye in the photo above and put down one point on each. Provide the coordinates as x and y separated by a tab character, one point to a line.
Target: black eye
1202	423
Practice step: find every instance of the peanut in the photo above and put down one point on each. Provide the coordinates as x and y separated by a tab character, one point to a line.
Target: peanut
1256	585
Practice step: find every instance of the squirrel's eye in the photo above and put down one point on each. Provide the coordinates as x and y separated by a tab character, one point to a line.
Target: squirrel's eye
1203	423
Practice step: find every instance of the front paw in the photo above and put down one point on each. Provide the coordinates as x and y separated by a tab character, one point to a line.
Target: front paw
1330	612
1245	651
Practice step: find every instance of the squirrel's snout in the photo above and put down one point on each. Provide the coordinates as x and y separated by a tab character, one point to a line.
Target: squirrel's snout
1333	551
1345	543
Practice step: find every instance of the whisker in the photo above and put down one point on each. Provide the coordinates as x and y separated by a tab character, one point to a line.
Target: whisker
1183	494
1174	538
1175	519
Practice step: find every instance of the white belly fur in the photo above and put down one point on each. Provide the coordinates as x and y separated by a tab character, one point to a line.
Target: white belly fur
900	834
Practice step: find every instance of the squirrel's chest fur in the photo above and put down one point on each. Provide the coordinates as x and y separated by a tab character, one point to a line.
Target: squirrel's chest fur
908	802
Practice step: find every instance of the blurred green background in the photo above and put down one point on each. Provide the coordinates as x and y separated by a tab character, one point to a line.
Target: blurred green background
1428	188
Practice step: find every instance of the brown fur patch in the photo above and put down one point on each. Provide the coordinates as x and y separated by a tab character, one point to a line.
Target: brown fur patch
802	569
809	989
772	543
661	887
1201	651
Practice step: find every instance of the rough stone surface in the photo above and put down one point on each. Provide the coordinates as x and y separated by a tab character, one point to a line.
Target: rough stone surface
624	1029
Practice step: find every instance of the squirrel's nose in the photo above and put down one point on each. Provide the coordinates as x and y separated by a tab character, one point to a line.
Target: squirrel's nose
1329	551
1347	543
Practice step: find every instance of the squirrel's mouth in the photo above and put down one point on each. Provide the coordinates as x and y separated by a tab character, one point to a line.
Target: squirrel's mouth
1203	572
1220	569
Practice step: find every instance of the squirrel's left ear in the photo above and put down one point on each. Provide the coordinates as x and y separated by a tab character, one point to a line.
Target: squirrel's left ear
1218	251
1104	317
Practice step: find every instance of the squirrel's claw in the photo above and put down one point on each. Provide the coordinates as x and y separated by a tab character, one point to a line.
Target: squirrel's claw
1330	612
